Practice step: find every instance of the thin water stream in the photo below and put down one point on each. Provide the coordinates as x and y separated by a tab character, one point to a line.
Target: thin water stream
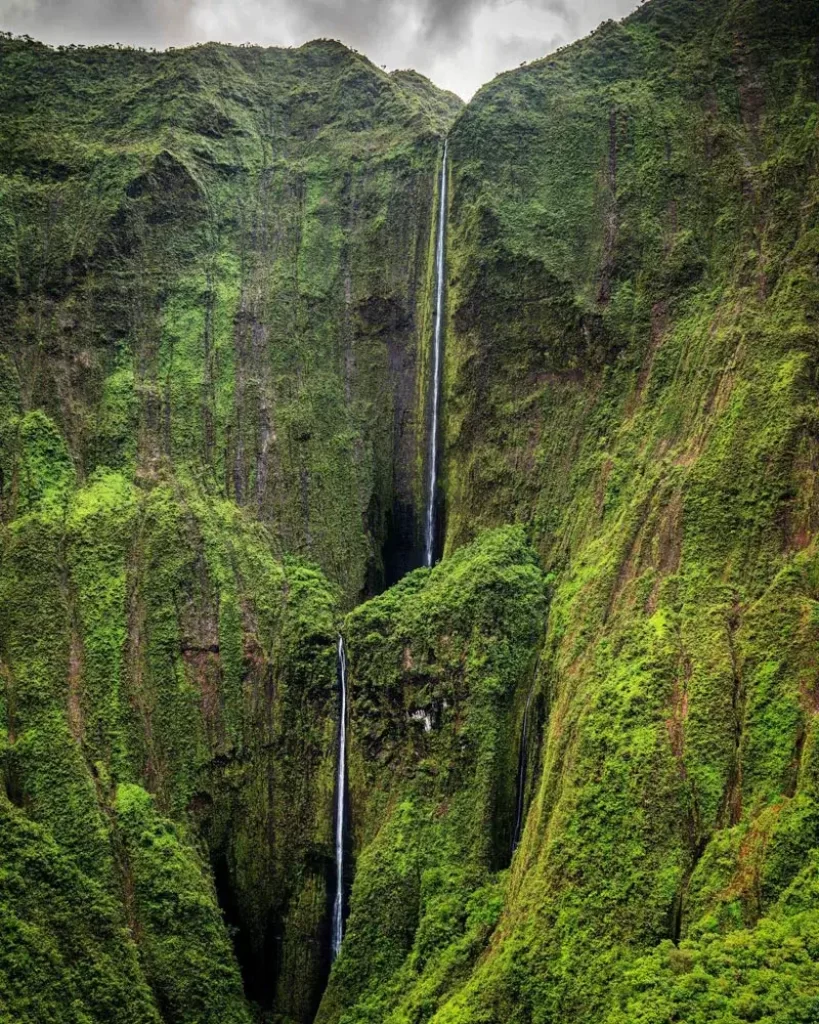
429	538
341	787
523	757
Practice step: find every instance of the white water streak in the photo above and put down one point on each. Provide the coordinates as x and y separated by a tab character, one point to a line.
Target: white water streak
522	765
341	785
436	375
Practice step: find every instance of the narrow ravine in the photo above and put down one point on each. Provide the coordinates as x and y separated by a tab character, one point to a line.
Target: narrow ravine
341	787
337	931
522	761
429	538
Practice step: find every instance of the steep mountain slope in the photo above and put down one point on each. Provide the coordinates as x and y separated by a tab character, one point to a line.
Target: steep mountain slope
218	259
165	683
213	286
632	367
215	308
440	668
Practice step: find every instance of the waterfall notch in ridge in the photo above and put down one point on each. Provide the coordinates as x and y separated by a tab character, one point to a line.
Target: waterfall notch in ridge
341	786
522	759
429	539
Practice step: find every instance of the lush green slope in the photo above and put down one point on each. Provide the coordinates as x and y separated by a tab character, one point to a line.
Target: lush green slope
440	669
219	259
632	363
214	280
151	641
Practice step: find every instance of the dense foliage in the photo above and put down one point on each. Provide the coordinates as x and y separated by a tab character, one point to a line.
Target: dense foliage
151	640
648	200
441	667
219	259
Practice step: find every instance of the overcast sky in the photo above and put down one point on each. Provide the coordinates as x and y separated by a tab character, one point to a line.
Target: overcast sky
459	44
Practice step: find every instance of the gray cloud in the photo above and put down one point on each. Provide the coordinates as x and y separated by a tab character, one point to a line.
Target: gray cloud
139	22
513	50
366	20
458	43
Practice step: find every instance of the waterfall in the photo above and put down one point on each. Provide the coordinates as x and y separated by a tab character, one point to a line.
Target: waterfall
436	372
341	786
522	759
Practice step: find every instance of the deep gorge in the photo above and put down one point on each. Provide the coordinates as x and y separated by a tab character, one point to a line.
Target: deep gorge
556	492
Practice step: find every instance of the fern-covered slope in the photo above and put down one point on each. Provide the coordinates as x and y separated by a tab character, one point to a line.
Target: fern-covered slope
631	372
218	259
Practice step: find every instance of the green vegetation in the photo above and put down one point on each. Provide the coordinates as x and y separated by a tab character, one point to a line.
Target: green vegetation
151	639
66	954
182	940
216	280
650	416
440	668
218	260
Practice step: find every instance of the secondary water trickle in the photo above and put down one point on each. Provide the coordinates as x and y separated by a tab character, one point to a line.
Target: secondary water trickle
522	761
429	538
341	786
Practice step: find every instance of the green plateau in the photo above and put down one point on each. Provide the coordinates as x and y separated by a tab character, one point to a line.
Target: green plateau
581	772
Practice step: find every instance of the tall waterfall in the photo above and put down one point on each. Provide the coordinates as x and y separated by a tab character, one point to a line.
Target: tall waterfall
436	371
522	761
341	786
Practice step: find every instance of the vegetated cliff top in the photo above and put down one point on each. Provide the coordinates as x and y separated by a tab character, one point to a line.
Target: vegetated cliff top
692	63
319	92
273	203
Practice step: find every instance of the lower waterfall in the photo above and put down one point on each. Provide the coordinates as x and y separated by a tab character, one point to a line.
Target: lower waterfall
341	786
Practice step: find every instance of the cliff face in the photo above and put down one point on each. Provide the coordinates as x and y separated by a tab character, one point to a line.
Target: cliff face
631	372
440	668
166	683
218	259
216	284
214	281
